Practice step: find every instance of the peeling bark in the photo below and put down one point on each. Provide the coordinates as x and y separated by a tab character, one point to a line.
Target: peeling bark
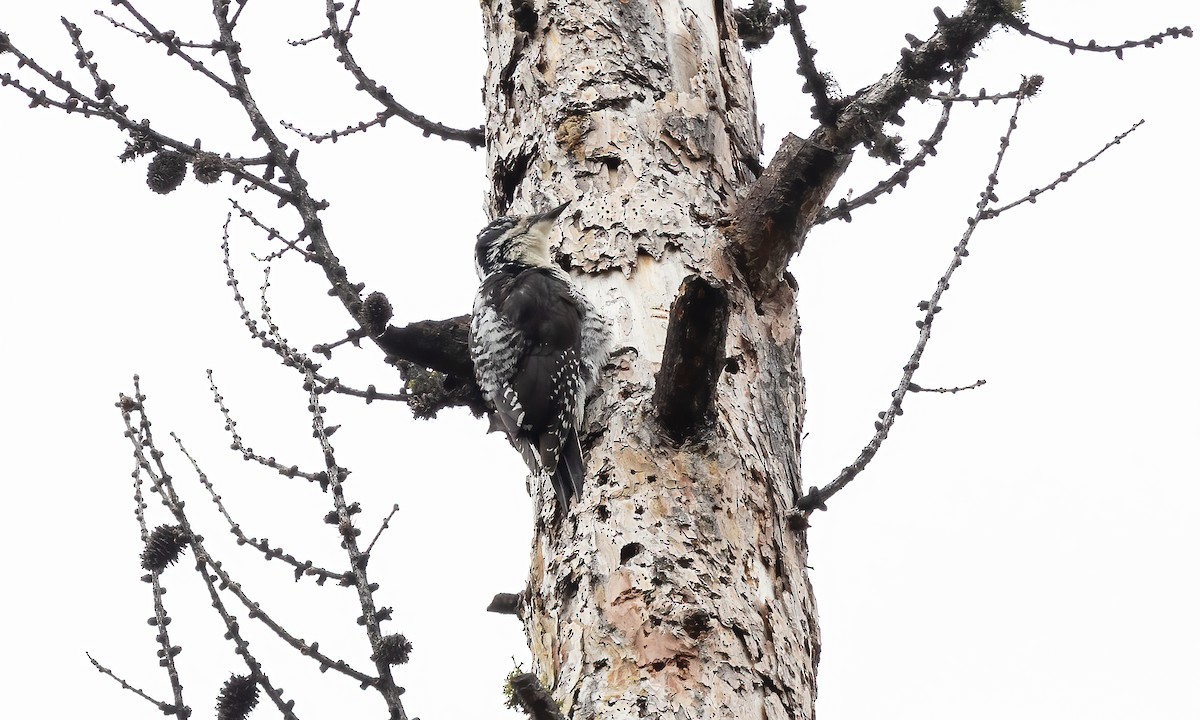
675	586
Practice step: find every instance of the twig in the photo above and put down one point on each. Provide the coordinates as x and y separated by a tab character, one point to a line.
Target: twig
1093	46
38	98
272	234
175	47
309	40
287	163
237	13
816	84
291	356
163	707
290	190
169	36
143	445
342	514
354	13
301	568
772	222
143	441
899	178
1031	196
103	88
913	387
104	106
161	620
370	394
1029	88
237	445
353	337
381	119
816	499
341	37
257	613
386	521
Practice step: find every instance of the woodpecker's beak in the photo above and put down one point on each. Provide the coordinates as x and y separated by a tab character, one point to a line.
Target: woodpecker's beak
540	224
550	215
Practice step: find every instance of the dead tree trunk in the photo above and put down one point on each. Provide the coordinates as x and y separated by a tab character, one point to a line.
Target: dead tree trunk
676	587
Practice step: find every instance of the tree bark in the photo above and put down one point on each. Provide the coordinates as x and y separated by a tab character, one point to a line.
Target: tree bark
675	586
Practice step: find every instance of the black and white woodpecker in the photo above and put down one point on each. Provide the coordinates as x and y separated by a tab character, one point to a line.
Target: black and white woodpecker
537	344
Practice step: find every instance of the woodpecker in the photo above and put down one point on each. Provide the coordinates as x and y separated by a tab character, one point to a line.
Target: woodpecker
537	344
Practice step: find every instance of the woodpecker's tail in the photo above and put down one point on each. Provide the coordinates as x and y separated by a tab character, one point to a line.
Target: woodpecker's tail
567	477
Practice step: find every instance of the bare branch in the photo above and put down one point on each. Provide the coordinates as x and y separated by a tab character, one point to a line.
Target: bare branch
287	164
272	234
257	613
926	62
163	707
341	40
354	13
815	83
333	135
163	484
353	337
913	387
1029	87
167	37
341	517
1032	195
436	344
160	620
1092	46
237	13
900	177
292	188
386	523
771	225
144	450
370	394
248	453
175	47
291	356
263	545
816	499
143	139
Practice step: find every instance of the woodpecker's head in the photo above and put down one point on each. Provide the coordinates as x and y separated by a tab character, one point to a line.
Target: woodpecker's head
515	241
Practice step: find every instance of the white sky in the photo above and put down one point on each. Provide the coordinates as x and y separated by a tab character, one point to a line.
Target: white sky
1027	549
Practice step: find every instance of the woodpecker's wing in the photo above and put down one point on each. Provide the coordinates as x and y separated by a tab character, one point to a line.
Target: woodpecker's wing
542	308
525	342
496	348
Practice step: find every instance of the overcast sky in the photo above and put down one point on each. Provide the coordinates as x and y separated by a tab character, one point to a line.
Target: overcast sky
1027	549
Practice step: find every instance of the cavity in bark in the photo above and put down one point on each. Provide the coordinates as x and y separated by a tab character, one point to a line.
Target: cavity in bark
693	358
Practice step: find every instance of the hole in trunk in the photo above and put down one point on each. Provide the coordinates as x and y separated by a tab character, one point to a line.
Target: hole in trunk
629	552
